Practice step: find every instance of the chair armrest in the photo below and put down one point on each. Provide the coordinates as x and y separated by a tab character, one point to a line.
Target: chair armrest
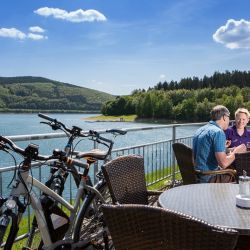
154	192
153	196
229	171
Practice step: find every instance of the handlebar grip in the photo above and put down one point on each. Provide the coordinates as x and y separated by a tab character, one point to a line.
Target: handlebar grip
12	145
76	162
118	131
46	117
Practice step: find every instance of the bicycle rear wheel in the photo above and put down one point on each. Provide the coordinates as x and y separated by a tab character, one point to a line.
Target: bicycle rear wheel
90	225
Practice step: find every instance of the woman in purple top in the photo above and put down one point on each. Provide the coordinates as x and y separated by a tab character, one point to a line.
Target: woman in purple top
238	133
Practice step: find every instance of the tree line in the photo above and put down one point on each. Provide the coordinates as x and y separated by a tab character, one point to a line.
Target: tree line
217	80
190	103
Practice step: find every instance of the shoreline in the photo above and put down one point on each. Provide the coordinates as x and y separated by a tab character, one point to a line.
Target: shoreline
130	118
103	118
49	111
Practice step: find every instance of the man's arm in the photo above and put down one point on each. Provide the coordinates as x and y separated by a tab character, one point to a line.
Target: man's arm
224	160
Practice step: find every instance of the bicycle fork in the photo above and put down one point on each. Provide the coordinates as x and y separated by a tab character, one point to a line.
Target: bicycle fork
11	204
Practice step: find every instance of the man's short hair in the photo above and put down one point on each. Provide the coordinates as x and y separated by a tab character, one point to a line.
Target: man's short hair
219	111
242	110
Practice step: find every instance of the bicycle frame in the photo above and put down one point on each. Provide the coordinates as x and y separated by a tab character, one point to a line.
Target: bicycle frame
24	182
19	190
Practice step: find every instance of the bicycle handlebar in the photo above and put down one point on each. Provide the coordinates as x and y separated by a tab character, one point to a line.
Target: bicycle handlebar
3	146
77	132
46	117
55	124
31	151
117	131
91	133
95	136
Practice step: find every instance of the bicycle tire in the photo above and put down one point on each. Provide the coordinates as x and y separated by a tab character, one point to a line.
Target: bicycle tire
3	235
90	224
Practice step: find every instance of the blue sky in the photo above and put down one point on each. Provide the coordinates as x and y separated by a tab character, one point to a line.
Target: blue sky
117	46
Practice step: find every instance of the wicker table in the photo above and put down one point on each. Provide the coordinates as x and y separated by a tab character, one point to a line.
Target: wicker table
213	203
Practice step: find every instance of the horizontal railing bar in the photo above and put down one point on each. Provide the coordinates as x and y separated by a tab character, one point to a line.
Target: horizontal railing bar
61	135
148	144
36	136
33	164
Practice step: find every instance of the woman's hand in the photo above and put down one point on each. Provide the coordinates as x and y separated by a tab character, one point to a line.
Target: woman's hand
240	149
228	143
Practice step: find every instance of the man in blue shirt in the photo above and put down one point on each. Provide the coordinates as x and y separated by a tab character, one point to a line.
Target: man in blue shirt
209	144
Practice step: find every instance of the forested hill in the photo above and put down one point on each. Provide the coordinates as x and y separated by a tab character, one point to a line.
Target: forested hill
217	80
28	93
190	99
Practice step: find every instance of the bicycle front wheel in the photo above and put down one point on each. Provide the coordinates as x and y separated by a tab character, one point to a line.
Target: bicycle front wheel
90	224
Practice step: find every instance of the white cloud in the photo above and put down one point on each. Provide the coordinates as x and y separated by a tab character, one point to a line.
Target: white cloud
36	36
234	34
12	33
76	16
17	34
36	29
162	76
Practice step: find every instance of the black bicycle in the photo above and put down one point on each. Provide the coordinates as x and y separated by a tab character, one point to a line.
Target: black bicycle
85	224
91	226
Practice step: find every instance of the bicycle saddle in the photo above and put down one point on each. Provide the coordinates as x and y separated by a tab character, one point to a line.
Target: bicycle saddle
94	153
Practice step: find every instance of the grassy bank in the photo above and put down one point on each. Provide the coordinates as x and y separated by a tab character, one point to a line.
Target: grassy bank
106	118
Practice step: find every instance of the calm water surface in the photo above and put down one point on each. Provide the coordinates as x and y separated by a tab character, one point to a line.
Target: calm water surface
24	124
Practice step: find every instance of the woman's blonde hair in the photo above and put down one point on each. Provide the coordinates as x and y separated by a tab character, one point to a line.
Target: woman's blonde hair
242	110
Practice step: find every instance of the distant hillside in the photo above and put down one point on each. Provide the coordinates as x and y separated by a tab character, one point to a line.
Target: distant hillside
38	93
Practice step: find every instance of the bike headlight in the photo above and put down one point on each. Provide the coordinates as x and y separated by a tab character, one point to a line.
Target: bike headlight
10	204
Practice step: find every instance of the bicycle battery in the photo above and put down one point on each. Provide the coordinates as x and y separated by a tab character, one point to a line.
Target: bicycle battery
57	220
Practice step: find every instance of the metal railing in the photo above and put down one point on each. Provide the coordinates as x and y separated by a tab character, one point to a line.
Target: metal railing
158	156
159	160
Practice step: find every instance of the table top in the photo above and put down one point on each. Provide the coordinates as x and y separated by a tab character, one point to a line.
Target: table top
213	203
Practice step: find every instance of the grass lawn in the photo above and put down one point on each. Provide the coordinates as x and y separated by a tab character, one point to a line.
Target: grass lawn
151	177
107	118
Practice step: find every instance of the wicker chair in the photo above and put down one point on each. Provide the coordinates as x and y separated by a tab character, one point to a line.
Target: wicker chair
144	227
125	178
242	162
184	157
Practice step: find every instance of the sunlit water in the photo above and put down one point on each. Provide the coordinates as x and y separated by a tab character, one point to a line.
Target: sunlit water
24	124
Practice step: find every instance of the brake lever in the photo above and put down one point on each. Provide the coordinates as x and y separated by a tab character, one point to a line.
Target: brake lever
47	123
55	126
4	147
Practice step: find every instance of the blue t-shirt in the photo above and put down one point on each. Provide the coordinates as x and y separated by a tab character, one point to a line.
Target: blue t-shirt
207	141
235	138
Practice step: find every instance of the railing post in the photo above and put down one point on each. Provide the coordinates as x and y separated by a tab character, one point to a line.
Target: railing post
1	184
173	155
95	165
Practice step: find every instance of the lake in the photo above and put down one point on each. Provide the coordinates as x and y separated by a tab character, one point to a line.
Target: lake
23	124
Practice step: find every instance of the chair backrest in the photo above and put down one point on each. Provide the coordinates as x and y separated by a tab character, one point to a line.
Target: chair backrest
242	162
184	157
126	180
146	227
